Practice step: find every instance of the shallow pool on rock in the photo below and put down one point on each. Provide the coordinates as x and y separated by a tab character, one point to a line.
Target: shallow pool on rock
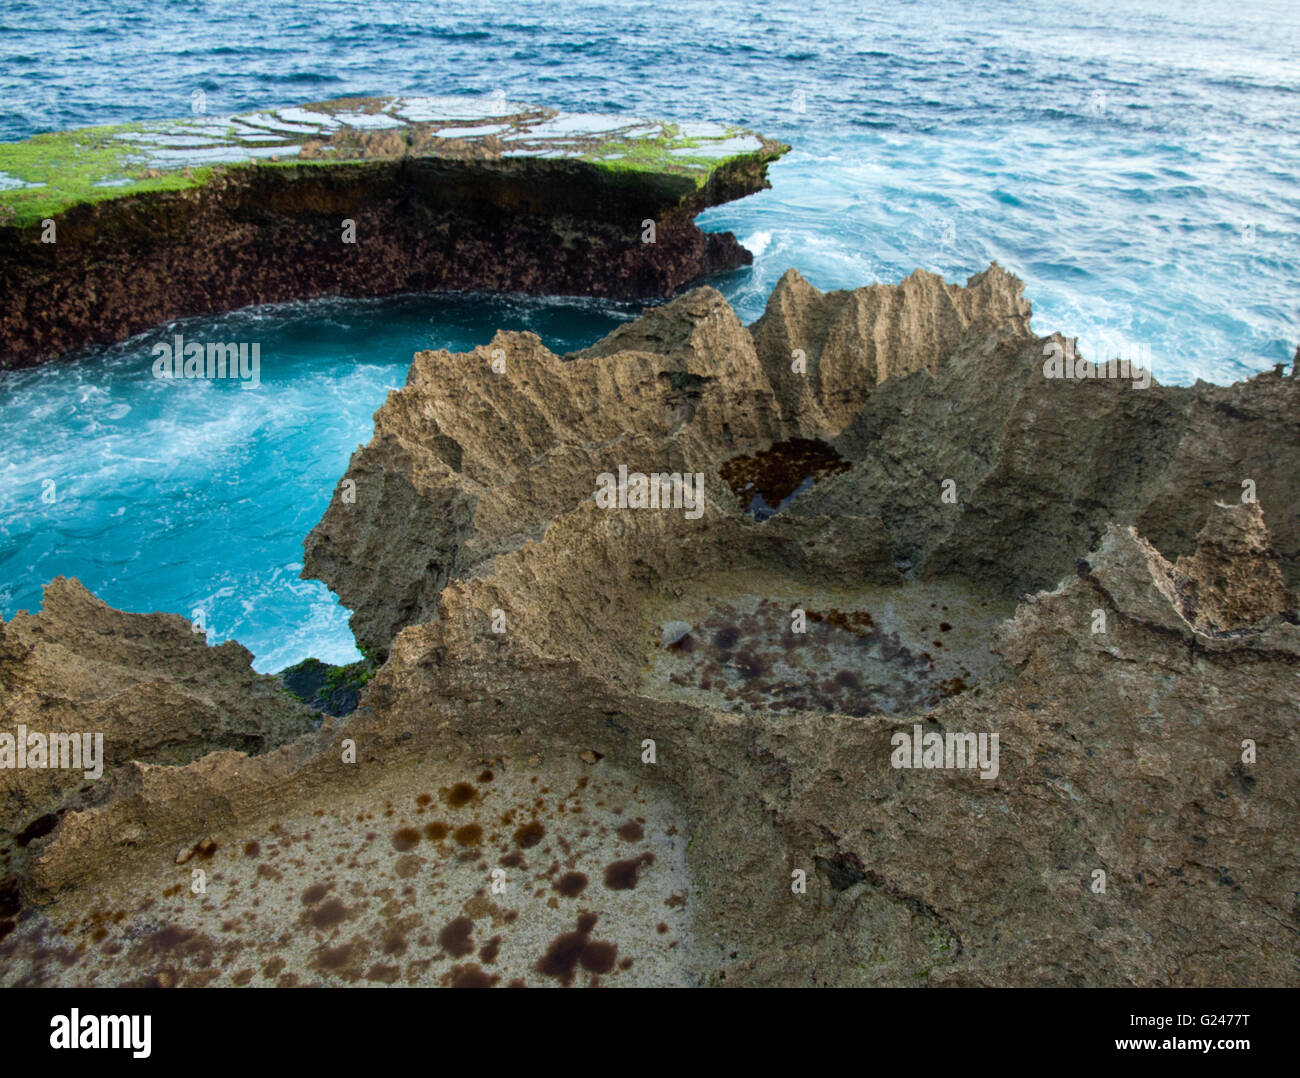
534	873
865	650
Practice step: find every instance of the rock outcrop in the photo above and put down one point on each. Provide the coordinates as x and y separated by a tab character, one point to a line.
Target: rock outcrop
150	685
106	232
1075	573
915	385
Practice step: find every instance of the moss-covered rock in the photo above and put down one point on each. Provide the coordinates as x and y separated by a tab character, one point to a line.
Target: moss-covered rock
106	232
50	173
334	690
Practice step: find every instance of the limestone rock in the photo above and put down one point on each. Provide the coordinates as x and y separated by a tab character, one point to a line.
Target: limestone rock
1234	579
1124	626
149	685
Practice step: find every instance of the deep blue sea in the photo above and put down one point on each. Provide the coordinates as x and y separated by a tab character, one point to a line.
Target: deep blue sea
1136	163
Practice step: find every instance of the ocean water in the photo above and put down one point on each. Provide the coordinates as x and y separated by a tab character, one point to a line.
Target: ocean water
1136	163
194	496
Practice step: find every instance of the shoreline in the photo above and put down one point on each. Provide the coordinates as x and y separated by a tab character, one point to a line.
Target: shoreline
525	205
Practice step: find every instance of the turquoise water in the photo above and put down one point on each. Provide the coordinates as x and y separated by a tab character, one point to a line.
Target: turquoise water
195	495
1137	163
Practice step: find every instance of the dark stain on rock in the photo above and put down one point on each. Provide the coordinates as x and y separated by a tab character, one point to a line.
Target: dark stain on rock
843	871
571	884
471	976
1244	779
529	835
315	893
11	906
38	828
623	875
455	937
572	949
333	959
172	943
749	665
394	941
858	622
766	481
684	645
328	914
469	835
599	956
460	795
632	831
406	838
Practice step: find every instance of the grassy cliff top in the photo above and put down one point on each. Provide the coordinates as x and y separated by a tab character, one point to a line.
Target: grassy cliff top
48	174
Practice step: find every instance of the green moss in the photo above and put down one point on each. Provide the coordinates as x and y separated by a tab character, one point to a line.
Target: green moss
332	689
95	164
661	154
68	165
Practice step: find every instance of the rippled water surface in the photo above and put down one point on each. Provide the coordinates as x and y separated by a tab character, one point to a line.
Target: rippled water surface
1137	164
195	495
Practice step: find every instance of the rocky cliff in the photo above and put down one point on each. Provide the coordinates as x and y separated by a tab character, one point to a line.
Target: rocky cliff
105	232
914	385
908	533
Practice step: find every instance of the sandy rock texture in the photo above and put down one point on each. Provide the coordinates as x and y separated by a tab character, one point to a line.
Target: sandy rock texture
149	683
914	384
1140	825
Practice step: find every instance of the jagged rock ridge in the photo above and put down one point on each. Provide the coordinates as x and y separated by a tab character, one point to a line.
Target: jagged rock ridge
1145	696
914	384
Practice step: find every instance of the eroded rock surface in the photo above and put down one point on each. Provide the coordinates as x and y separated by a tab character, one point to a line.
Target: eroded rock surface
915	384
147	682
1097	594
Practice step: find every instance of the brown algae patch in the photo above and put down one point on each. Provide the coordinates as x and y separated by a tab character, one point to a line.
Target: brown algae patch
570	950
406	838
766	481
571	884
625	874
314	898
459	796
862	651
455	937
